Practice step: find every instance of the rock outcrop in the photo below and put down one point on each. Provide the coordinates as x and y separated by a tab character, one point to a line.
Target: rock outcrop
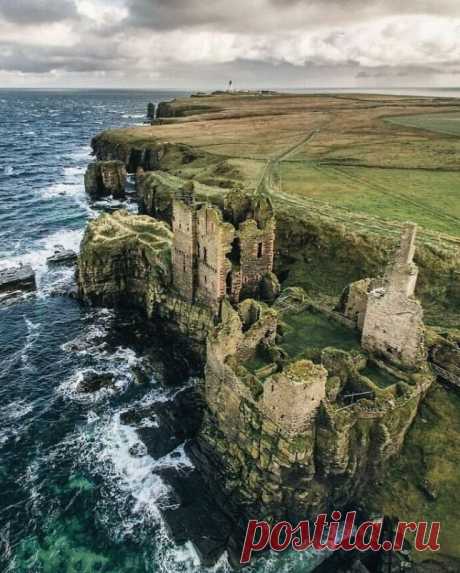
103	178
133	155
151	110
126	260
17	279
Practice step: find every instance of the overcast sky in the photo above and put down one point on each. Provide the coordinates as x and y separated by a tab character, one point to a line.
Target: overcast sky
204	43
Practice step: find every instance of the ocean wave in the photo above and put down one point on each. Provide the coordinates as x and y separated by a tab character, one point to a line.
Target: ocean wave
133	115
20	358
33	334
134	473
15	411
74	171
71	185
81	154
92	340
69	239
71	388
117	365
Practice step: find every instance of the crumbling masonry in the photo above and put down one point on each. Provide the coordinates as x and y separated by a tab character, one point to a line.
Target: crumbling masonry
217	254
390	317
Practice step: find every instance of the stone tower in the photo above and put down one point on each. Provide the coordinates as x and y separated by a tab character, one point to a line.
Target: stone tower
218	253
184	243
213	242
393	322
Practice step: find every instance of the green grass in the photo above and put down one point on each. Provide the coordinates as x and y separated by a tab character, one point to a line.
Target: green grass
430	456
259	360
438	122
379	377
306	333
429	198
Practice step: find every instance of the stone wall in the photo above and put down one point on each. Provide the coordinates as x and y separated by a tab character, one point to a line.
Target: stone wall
393	328
393	323
353	302
256	254
184	250
278	445
291	398
215	256
214	238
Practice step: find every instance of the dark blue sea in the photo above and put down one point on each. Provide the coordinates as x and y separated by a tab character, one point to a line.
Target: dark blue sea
79	492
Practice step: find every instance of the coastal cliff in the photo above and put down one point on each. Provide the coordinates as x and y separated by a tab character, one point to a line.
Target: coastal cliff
126	260
278	430
307	401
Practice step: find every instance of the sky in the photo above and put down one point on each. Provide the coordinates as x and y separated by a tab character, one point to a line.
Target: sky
202	44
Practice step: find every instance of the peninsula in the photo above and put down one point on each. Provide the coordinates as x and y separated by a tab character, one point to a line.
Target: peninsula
307	248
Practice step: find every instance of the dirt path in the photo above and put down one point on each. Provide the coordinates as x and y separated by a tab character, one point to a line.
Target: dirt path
265	181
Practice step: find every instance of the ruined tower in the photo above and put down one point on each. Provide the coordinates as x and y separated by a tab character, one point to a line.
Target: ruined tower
252	251
218	253
213	241
393	322
184	243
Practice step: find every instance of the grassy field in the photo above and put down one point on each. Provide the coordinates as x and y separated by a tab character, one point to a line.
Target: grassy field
344	173
429	198
307	333
437	122
422	483
396	158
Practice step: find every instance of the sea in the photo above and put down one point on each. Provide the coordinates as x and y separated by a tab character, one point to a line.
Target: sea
79	491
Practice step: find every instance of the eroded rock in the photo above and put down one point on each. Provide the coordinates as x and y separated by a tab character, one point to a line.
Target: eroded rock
20	278
104	178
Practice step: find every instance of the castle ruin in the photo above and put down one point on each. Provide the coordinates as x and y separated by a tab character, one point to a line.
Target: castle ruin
386	310
221	253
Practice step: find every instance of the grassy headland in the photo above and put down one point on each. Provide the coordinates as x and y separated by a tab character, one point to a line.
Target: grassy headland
344	172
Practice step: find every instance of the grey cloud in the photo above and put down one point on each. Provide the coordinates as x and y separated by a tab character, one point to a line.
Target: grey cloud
395	72
37	11
273	15
267	42
171	14
80	58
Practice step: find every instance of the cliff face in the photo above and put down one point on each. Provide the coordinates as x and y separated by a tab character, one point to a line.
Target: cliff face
133	155
126	260
105	178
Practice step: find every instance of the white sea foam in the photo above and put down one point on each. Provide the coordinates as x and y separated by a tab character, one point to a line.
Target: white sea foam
133	115
132	489
15	410
81	154
118	364
33	334
70	387
8	170
69	239
74	171
133	473
71	185
91	341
